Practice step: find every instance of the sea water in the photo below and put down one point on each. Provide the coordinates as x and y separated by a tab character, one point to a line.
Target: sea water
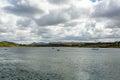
48	63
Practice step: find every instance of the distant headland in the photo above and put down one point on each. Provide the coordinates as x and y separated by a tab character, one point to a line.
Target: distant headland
64	44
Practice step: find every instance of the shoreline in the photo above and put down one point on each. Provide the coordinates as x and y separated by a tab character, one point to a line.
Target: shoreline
65	44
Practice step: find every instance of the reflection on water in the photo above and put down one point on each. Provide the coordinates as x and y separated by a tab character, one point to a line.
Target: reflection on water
66	64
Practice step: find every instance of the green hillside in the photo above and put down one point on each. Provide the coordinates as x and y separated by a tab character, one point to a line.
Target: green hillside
8	44
64	44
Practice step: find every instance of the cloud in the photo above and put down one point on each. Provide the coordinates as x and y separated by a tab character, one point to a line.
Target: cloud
59	20
106	13
53	18
107	9
59	1
61	16
22	8
25	23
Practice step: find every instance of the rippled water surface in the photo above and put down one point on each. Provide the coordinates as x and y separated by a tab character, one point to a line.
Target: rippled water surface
67	64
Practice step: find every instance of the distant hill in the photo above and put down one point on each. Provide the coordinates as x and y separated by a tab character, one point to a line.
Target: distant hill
8	44
39	43
63	44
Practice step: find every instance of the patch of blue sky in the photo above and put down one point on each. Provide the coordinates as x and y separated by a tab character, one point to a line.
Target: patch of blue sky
93	0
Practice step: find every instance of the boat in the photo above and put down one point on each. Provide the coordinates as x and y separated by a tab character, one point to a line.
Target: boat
58	49
52	48
95	48
5	49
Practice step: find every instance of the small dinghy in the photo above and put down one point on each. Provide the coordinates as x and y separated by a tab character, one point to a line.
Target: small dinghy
95	48
58	49
5	49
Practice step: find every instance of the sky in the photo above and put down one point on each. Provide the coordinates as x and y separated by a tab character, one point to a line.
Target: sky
26	21
93	0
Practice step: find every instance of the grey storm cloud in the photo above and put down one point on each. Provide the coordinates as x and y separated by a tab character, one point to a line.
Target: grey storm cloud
107	9
59	20
3	30
59	1
20	9
113	24
61	16
53	18
75	12
78	38
24	23
108	12
42	30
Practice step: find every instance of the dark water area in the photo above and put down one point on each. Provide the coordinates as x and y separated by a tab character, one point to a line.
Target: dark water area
59	63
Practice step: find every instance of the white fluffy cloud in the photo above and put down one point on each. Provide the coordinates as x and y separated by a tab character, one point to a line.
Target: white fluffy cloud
59	20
